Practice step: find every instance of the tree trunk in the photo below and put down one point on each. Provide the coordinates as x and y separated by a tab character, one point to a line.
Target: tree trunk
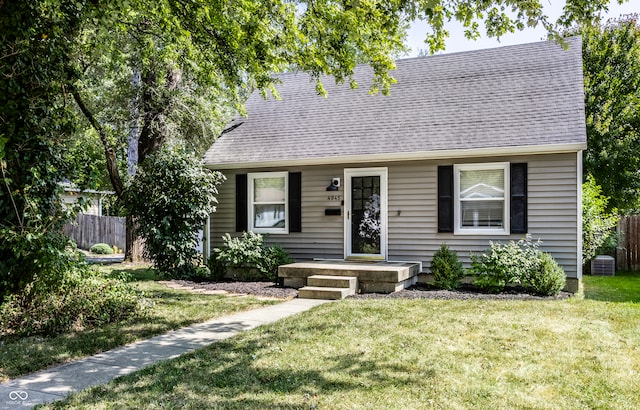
112	165
132	162
134	126
143	139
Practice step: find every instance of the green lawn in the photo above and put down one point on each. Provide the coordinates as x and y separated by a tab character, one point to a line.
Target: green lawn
623	287
166	309
411	354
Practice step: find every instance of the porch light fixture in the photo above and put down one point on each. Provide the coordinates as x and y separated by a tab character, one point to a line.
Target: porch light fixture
334	185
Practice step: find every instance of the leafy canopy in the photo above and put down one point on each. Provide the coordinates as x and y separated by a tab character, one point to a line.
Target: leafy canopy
612	98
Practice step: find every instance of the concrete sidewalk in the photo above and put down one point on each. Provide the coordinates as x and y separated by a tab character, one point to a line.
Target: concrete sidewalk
57	382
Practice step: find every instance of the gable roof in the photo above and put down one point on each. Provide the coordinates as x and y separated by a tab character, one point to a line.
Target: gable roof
517	99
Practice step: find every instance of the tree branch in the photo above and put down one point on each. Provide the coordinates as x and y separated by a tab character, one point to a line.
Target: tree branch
112	165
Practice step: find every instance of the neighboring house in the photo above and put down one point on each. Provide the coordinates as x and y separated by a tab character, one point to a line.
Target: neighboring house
469	148
71	194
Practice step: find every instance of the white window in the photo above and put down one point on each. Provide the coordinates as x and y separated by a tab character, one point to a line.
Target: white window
268	205
481	192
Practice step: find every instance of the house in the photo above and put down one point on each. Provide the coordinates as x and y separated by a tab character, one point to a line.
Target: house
469	148
95	199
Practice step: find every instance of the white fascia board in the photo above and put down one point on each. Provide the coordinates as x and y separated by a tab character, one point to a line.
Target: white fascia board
410	156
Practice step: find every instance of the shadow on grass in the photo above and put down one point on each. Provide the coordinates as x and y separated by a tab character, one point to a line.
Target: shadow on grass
142	274
623	287
166	310
240	373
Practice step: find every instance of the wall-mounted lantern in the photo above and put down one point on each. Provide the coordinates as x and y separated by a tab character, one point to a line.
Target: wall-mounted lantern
335	185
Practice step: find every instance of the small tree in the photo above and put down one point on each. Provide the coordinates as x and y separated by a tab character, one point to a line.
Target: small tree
597	223
171	197
446	268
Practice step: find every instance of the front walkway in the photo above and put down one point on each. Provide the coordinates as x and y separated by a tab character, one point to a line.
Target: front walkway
57	382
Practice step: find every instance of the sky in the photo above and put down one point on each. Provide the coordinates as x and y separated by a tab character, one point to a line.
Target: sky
457	42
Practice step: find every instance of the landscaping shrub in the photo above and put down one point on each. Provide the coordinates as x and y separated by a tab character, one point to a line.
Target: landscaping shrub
86	300
248	254
217	266
503	264
170	199
522	263
274	256
547	278
598	224
101	249
446	268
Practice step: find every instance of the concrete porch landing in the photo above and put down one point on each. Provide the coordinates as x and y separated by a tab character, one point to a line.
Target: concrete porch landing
373	276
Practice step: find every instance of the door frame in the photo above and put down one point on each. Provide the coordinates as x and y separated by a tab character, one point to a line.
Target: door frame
382	172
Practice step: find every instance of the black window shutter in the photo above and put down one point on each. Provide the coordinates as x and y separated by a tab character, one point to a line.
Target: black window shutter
241	203
295	202
445	198
519	223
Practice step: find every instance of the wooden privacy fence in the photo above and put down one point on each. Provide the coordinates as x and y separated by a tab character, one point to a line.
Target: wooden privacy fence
91	229
628	253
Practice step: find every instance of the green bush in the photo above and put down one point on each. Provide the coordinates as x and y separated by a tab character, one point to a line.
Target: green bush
86	300
101	249
43	258
170	199
547	279
446	268
274	256
598	224
522	263
217	266
248	254
503	264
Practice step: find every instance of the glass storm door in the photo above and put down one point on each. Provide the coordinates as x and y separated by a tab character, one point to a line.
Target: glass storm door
366	213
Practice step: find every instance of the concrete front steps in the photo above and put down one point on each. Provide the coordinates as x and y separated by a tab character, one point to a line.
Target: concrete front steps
372	276
328	287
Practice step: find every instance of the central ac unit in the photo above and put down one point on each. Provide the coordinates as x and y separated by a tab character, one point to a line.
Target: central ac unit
603	265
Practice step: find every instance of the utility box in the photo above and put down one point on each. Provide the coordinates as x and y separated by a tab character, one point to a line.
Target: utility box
603	265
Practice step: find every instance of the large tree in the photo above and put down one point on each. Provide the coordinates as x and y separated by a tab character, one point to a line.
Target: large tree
612	95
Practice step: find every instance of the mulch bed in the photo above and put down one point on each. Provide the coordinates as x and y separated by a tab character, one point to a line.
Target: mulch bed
261	289
464	293
269	289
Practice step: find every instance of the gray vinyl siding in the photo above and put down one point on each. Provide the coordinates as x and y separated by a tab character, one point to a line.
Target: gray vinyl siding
553	192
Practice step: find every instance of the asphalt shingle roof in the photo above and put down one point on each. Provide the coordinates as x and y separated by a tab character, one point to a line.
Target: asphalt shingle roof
514	96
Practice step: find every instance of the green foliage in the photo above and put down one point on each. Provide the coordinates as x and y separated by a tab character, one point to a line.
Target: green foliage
274	256
217	266
503	264
611	55
101	249
43	258
36	41
248	253
547	278
597	222
86	300
521	262
171	198
446	268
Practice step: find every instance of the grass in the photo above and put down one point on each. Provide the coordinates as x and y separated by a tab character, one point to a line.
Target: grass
166	309
399	354
623	287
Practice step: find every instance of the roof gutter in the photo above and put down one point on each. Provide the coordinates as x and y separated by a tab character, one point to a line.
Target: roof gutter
408	156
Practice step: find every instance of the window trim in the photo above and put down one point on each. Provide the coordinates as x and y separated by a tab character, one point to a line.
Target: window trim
457	221
251	177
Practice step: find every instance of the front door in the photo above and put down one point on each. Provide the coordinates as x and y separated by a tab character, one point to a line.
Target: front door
365	213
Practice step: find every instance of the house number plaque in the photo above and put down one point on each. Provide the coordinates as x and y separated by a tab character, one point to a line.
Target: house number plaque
334	198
